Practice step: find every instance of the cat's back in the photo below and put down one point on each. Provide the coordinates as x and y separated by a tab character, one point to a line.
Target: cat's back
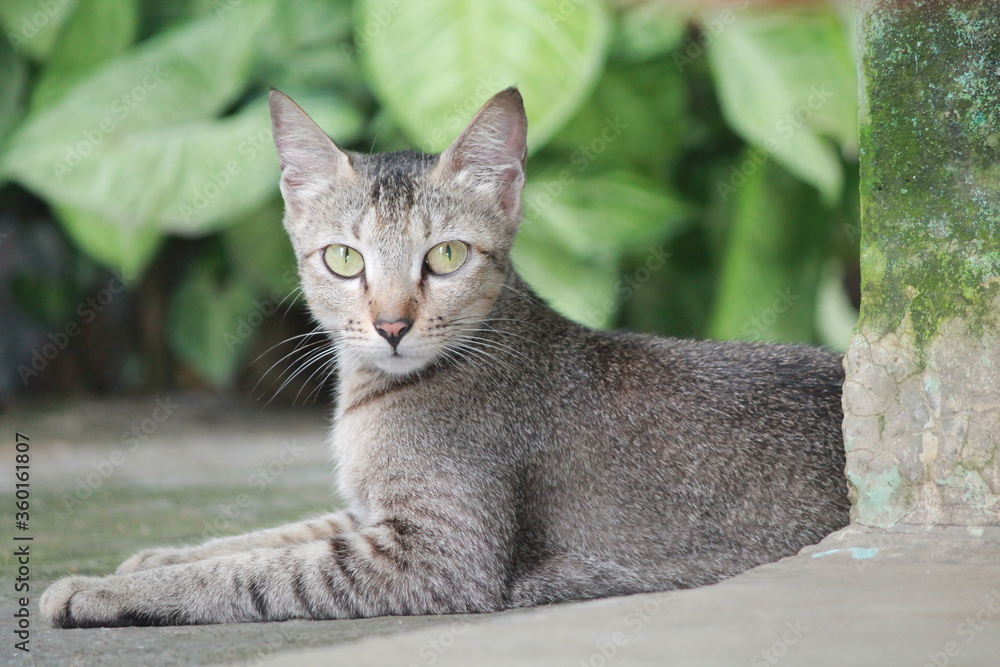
737	379
722	454
697	406
673	384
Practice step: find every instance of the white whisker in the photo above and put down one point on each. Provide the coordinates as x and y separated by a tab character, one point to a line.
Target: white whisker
297	349
303	365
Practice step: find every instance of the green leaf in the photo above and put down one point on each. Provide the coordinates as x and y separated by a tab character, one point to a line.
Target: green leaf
648	30
773	257
204	324
126	249
187	74
97	31
306	23
326	68
227	168
603	215
836	316
577	230
258	248
785	81
213	171
189	180
33	26
135	144
158	16
307	49
581	288
434	63
13	81
635	118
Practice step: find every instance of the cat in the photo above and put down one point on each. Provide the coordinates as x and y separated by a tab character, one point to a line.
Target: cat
494	454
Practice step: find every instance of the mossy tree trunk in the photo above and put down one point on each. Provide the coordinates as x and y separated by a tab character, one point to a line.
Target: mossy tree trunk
922	398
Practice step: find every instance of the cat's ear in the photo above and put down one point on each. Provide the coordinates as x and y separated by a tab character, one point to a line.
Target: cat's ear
490	152
308	158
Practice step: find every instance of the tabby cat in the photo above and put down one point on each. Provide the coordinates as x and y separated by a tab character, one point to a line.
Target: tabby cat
492	453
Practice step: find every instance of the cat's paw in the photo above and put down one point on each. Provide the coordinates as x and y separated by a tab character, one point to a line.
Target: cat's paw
147	559
83	602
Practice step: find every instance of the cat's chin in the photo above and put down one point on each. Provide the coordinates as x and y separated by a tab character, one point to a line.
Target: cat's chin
400	365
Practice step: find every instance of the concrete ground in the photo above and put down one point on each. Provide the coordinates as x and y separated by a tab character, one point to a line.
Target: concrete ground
108	478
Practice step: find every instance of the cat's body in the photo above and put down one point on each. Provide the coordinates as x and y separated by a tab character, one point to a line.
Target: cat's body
604	463
494	454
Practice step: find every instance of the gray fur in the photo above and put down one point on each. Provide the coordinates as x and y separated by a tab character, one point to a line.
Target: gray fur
503	456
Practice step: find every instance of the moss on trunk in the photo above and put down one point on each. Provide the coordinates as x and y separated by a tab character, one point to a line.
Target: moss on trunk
922	399
930	168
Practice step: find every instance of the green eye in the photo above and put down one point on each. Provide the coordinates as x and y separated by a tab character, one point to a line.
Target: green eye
343	261
447	257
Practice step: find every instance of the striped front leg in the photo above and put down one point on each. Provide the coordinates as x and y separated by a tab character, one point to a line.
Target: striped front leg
392	567
323	527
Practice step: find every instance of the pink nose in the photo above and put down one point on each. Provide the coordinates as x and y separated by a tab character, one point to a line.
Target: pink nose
393	331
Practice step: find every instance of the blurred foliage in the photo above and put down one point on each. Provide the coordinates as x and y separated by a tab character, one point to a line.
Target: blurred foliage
692	169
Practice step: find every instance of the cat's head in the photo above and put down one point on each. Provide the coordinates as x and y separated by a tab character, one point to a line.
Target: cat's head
402	254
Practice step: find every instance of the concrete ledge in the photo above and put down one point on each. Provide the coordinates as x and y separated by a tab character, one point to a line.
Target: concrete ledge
861	597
